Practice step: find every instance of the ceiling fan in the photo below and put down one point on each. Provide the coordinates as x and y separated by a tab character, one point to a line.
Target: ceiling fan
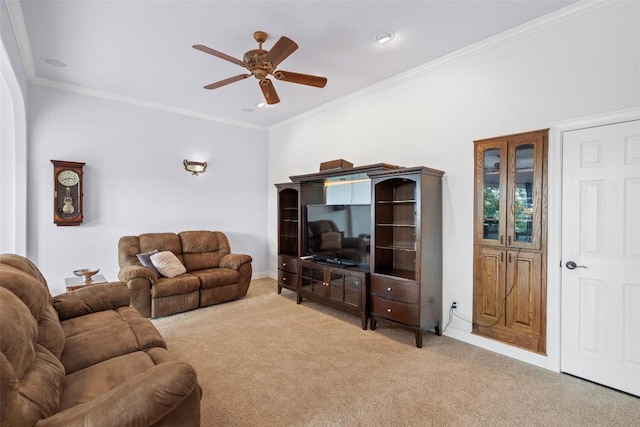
261	63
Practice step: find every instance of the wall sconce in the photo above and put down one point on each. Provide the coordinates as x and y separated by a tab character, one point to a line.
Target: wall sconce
195	167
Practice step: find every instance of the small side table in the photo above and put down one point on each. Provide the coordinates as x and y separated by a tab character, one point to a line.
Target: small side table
74	283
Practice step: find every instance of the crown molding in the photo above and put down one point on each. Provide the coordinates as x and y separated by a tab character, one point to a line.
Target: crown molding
577	9
19	28
562	15
55	84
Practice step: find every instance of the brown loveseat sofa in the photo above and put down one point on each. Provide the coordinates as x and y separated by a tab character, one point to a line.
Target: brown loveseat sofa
85	358
213	274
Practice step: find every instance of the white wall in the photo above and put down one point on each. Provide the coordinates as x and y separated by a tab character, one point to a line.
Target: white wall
13	141
135	181
584	65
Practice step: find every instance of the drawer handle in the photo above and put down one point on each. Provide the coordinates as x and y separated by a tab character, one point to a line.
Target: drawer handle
284	264
284	279
389	289
388	310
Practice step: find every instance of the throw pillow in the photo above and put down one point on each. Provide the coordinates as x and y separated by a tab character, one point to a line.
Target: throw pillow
145	260
168	264
331	241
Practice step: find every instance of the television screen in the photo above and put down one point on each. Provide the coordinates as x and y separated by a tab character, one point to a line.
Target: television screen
338	233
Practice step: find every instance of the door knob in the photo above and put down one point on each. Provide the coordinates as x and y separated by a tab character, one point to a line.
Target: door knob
572	265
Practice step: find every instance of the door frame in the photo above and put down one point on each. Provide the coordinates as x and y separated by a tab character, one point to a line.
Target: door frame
554	197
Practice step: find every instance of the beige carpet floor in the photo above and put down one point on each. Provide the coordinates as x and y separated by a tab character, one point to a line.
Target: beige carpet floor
266	361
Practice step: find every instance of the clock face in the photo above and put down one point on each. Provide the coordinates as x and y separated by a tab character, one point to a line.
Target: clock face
68	178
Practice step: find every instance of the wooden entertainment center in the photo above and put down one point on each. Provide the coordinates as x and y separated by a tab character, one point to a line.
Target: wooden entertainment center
398	279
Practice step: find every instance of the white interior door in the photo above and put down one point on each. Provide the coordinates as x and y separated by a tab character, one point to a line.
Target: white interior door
601	235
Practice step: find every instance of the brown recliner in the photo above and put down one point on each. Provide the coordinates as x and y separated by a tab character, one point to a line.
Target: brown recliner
351	248
213	274
85	358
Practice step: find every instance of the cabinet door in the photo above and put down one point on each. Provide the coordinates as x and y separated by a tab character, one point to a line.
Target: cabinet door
344	288
489	287
524	292
524	191
490	193
312	279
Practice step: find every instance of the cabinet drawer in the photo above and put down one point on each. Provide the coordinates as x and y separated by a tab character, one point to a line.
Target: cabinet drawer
398	290
288	264
287	279
408	314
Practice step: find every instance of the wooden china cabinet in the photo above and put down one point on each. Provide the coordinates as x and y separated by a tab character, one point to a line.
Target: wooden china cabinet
510	239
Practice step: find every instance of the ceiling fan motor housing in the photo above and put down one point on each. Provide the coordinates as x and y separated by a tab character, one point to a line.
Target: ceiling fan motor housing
254	61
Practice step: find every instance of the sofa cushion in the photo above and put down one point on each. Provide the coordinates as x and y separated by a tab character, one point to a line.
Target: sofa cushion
168	264
25	265
33	297
203	249
99	336
30	375
168	286
19	332
214	277
93	381
165	394
27	288
145	260
161	242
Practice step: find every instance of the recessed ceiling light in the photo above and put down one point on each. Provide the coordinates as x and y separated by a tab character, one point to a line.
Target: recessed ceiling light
247	110
261	104
383	36
55	63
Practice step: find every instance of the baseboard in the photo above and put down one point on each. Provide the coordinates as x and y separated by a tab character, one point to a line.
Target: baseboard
539	360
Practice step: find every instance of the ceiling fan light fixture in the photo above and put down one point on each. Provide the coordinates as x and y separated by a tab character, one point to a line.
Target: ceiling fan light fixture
384	36
194	167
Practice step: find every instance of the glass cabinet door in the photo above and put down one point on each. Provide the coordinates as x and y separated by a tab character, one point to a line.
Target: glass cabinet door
344	288
490	195
312	280
524	213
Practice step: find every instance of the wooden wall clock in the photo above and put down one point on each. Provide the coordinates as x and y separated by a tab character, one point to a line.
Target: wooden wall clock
67	192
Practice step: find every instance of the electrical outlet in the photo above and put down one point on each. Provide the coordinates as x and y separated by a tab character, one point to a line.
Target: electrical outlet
454	305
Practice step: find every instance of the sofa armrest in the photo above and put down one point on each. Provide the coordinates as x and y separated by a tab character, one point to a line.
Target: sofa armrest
235	261
142	400
131	272
91	299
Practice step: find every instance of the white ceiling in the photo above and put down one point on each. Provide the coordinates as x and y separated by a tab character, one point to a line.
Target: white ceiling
140	51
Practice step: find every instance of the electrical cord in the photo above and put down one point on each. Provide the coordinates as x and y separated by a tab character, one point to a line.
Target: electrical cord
502	304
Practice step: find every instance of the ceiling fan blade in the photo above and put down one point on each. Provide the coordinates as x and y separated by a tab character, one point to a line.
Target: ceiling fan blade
226	81
303	79
269	92
280	51
218	54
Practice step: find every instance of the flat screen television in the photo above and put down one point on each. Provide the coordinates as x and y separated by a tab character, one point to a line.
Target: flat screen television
338	234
